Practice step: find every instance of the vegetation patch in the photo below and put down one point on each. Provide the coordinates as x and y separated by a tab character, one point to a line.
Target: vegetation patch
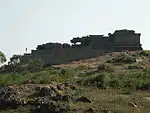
102	87
135	67
132	81
122	58
105	68
43	77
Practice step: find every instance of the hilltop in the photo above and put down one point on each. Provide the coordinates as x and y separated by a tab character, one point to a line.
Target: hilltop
116	82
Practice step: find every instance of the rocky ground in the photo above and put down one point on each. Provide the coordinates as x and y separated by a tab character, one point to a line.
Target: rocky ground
39	98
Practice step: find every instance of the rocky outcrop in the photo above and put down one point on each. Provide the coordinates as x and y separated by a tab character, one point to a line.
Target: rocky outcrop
40	98
62	86
9	99
44	105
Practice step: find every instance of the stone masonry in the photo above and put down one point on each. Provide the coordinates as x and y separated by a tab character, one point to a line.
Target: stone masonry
85	47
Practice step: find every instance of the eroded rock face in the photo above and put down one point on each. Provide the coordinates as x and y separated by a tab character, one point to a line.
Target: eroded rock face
9	99
40	98
62	86
44	105
45	91
53	94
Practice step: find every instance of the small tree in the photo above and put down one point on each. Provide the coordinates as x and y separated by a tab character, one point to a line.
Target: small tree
15	59
2	57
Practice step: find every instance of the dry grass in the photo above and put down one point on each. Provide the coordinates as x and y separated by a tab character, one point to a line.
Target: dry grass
114	101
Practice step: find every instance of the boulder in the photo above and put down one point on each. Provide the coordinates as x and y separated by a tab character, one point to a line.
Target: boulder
46	91
62	86
44	105
8	99
67	98
90	110
84	99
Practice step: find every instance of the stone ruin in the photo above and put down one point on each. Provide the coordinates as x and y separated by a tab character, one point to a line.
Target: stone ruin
85	47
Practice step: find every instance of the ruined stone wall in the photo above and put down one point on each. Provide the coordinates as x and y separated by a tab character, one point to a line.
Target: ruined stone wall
91	46
65	55
103	43
127	40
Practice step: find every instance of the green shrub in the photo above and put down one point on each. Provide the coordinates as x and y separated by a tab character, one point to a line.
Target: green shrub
101	81
143	53
135	67
2	57
62	71
129	84
115	82
143	84
109	61
97	80
123	58
104	68
126	91
39	77
35	65
135	80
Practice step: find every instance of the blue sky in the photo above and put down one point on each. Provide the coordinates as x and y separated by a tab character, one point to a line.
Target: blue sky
27	23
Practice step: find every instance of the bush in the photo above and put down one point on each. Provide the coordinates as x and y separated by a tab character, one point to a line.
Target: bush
41	77
35	65
126	91
123	58
135	67
115	82
109	61
135	80
129	84
97	80
143	84
143	53
101	81
104	68
2	57
15	59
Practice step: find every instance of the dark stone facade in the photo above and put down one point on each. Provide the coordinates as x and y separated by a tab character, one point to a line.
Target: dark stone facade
86	47
118	41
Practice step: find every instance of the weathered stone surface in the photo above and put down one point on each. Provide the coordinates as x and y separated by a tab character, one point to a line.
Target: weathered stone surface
44	105
8	99
60	86
68	98
67	84
50	91
45	91
90	110
39	98
90	46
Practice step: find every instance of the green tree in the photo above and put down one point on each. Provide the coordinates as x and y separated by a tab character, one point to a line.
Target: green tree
2	57
15	59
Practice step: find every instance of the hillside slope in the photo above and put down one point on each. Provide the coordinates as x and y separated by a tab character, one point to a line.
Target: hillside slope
114	83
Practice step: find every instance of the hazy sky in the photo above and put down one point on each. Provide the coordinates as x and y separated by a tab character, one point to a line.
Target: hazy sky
27	23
